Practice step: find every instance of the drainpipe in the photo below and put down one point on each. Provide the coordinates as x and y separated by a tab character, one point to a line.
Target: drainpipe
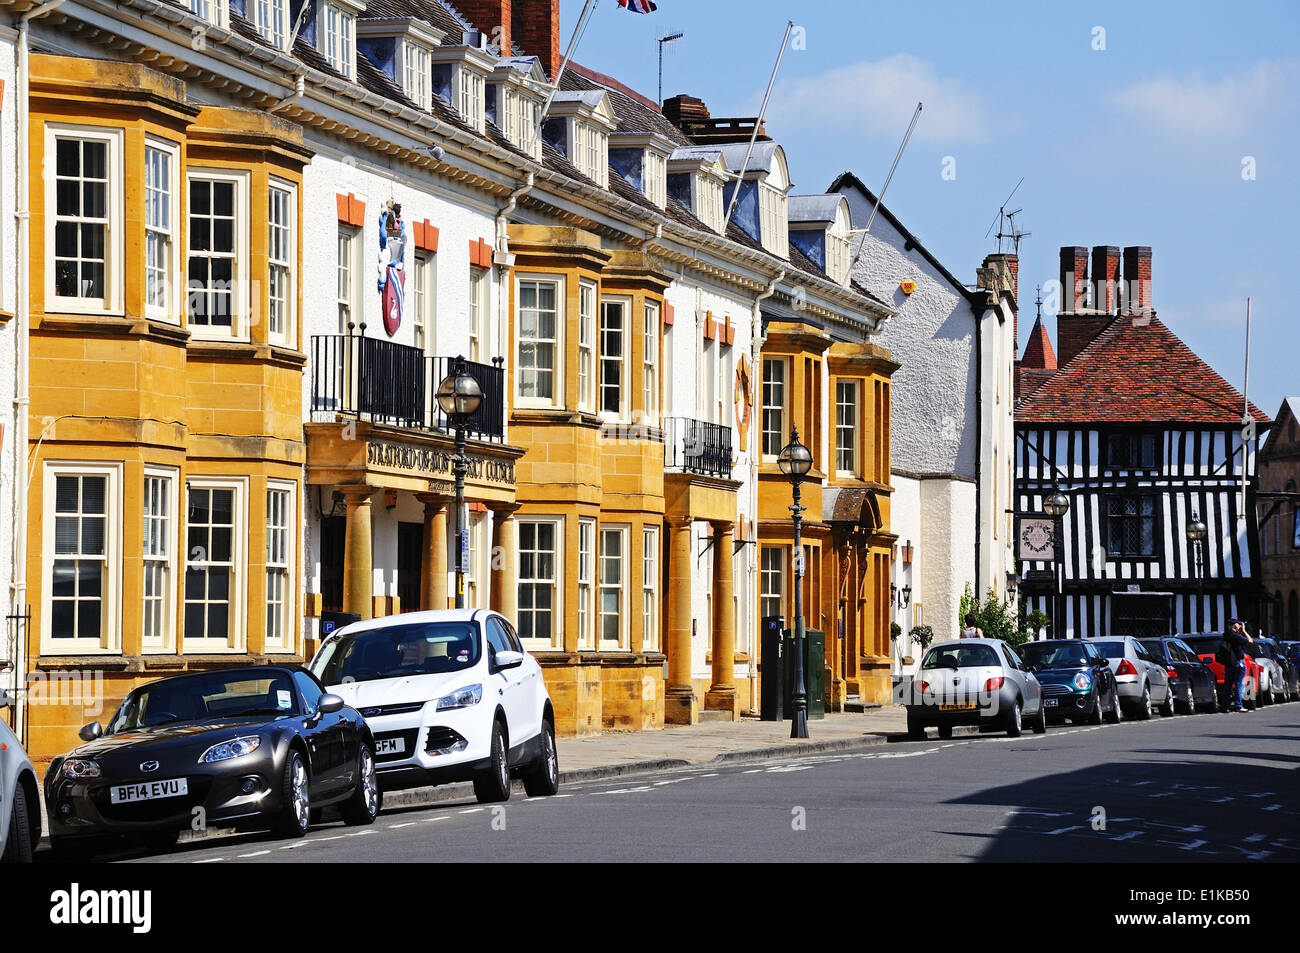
22	395
502	257
755	453
299	90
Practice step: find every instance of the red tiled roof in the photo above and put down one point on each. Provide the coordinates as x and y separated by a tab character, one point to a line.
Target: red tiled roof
1039	355
1136	371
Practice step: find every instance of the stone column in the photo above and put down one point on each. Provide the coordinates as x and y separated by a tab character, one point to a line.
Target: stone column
358	562
433	567
679	698
721	695
505	551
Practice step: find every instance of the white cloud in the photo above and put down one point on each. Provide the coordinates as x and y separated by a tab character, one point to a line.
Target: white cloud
878	98
1194	107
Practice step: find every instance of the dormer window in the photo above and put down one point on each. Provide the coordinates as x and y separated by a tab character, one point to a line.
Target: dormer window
764	185
271	17
402	48
338	46
458	76
514	102
642	159
216	12
819	227
695	178
579	125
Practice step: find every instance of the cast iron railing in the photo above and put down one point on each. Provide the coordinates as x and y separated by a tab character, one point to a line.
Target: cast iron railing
695	446
388	383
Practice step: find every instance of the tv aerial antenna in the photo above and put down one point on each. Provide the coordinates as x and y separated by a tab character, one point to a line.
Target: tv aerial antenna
1005	223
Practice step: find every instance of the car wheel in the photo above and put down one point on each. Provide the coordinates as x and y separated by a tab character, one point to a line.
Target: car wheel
1014	723
1039	724
1144	706
543	780
915	730
1097	716
295	800
1167	707
1114	715
945	732
1189	701
363	806
493	784
18	844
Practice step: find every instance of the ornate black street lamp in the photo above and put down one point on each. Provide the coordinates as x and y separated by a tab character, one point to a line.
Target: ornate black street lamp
1056	506
795	460
459	397
1196	534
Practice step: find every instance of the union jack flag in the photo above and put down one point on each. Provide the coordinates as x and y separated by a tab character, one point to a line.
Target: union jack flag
638	6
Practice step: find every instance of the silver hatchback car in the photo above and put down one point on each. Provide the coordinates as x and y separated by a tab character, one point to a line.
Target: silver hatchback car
1143	682
974	682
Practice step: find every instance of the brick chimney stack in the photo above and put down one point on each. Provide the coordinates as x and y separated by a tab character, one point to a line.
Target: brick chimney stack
491	18
1074	278
1137	278
535	31
1105	278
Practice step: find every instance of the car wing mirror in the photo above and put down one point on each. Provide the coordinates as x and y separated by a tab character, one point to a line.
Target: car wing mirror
328	704
91	731
505	660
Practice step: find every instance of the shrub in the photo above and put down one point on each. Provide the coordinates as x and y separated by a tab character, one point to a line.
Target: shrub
996	617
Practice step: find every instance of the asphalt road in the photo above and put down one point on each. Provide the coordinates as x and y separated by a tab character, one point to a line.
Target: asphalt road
1184	789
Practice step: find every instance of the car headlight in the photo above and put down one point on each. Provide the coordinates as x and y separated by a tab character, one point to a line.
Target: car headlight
78	769
461	698
1082	682
235	748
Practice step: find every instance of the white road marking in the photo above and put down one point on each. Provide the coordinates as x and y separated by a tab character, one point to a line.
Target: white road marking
210	860
397	827
472	810
1273	807
1129	836
1194	844
256	853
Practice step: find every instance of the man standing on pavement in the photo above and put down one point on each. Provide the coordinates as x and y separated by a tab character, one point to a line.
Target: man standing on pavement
1237	639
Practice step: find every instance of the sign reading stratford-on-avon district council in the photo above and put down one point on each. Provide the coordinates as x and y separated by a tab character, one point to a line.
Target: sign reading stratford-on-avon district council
430	461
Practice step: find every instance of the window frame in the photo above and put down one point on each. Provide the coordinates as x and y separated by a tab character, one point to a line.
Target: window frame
783	408
286	336
766	573
424	284
240	256
604	362
109	641
1133	446
170	519
171	311
113	300
236	640
586	581
588	305
417	55
619	587
216	12
555	580
479	308
288	605
470	97
345	33
854	428
1156	529
352	235
650	627
650	362
559	284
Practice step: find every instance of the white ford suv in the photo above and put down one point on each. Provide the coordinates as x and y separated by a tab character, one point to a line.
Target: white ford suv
450	695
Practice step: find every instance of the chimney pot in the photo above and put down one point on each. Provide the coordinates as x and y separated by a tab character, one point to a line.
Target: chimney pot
491	18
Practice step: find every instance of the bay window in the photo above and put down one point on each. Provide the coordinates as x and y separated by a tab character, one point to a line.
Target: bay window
540	337
279	566
586	345
650	364
650	589
159	559
613	332
161	251
774	403
214	578
846	428
612	621
280	256
82	563
539	595
218	250
83	197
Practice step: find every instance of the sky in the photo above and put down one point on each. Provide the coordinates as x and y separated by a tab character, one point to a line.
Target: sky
1174	125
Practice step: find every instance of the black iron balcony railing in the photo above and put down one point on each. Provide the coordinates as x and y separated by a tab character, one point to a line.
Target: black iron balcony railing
695	446
390	383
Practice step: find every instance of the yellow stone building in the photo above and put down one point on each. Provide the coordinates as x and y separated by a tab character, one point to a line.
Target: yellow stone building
166	368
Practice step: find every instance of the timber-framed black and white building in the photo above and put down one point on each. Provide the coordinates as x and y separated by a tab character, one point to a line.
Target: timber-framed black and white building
1144	440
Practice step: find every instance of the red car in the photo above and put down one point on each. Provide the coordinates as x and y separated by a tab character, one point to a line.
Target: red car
1207	647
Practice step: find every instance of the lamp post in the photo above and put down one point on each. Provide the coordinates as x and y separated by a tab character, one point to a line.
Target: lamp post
1056	506
795	460
459	397
1196	534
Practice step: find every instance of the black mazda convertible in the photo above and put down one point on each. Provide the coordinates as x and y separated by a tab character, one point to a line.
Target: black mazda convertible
258	747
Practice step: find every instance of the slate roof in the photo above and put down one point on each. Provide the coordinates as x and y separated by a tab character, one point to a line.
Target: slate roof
1136	371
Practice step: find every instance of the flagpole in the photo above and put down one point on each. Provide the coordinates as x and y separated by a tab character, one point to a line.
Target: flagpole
589	7
881	197
758	124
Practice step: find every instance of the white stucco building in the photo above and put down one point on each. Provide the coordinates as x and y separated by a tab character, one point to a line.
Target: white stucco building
952	428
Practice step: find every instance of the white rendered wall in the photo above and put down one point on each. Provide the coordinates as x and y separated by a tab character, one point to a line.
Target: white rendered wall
948	548
9	483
